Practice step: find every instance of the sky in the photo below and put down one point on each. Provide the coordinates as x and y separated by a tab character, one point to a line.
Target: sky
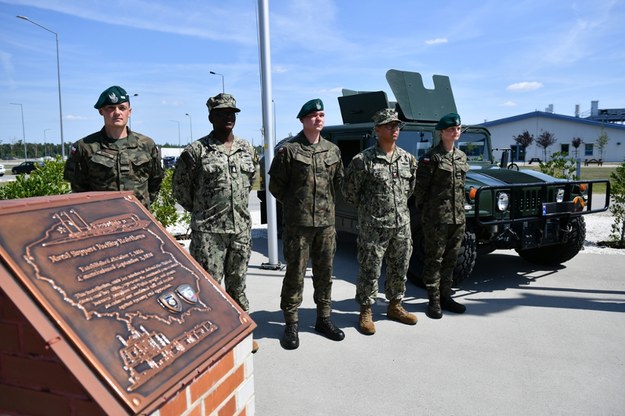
503	59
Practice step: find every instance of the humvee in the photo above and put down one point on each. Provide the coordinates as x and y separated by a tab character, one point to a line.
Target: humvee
539	216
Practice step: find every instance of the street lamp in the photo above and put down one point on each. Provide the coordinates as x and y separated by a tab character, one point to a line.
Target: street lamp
45	142
190	127
176	121
223	85
58	78
130	118
23	129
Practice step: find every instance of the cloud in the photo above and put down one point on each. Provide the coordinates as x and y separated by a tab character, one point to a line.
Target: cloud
436	41
525	86
509	104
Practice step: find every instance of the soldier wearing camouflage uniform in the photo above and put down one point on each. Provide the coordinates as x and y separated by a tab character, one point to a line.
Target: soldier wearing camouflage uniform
304	177
440	199
115	158
379	181
212	180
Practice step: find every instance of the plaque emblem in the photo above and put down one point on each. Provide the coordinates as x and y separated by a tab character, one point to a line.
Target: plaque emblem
187	293
170	302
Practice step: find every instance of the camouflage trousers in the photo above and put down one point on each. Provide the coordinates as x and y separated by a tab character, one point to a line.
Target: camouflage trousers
299	245
375	245
225	256
442	244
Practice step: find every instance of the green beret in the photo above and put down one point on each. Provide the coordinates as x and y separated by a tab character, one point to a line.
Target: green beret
385	116
112	96
310	107
222	100
449	120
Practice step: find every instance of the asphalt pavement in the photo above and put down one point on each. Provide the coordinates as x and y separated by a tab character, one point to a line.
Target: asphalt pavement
534	341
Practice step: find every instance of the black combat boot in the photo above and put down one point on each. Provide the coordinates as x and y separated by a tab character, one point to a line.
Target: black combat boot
449	304
434	305
290	340
326	327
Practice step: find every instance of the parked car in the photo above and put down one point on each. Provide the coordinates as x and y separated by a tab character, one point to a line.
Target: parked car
2	170
169	162
26	167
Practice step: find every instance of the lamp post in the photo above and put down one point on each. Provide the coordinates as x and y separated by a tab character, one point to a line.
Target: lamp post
58	78
176	121
23	129
45	142
130	118
223	85
190	127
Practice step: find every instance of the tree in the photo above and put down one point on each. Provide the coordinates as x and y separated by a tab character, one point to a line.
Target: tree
576	142
524	139
617	206
545	140
602	142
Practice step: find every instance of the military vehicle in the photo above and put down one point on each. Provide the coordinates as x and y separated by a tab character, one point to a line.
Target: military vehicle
539	216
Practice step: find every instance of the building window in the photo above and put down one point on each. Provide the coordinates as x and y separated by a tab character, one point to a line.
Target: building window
588	149
564	149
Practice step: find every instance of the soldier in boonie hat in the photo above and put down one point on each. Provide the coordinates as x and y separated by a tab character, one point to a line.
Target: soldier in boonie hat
448	120
220	101
310	107
112	96
385	116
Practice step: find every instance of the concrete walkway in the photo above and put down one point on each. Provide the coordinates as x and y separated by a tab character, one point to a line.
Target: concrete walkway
534	341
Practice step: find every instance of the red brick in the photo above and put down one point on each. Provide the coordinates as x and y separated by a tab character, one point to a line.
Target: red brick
176	405
224	390
86	407
33	343
230	408
9	337
211	376
34	403
40	374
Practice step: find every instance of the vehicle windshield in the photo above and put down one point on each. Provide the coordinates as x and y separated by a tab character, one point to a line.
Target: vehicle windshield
474	144
415	141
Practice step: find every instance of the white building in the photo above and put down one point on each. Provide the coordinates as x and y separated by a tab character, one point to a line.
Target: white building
564	128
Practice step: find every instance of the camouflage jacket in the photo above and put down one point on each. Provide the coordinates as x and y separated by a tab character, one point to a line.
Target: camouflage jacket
213	183
304	177
380	187
439	190
97	163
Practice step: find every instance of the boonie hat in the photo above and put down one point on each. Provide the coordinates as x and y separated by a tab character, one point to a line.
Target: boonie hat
449	120
310	107
222	100
385	116
112	96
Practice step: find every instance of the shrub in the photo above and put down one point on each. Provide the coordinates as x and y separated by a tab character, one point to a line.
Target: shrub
45	180
617	207
560	166
164	208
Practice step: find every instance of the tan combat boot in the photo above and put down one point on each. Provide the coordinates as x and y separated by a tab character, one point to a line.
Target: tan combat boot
365	322
397	313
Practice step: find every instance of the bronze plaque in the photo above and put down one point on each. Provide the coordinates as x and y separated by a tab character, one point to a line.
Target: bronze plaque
126	295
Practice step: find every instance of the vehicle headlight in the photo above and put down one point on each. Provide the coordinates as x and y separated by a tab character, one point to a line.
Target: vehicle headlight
502	201
560	195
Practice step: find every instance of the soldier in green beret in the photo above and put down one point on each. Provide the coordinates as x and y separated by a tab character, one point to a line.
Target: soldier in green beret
115	158
440	199
212	180
378	182
305	176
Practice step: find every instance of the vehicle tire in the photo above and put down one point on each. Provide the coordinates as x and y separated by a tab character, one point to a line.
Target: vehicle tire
513	166
464	264
553	255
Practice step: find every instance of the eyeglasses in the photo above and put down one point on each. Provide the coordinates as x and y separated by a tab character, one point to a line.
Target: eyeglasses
393	126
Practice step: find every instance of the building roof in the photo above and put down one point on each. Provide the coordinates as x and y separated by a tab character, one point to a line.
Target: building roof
553	116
